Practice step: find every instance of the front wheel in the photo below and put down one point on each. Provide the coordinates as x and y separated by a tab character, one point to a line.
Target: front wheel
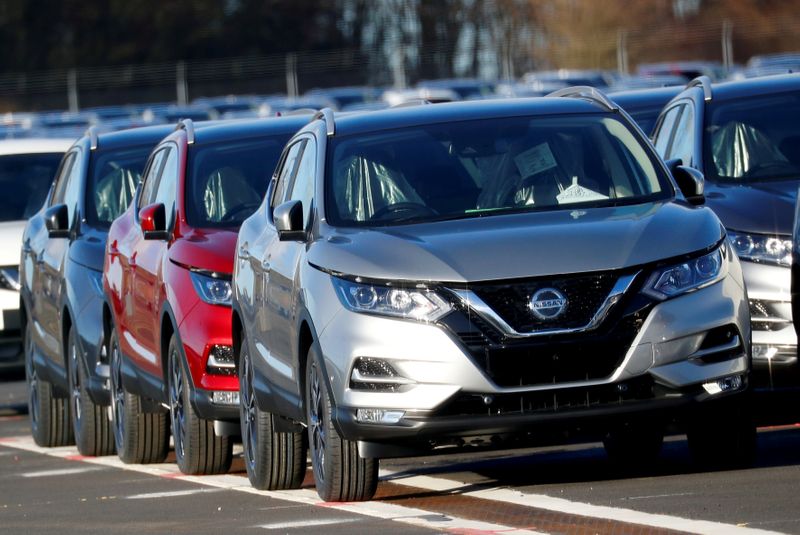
198	450
274	460
340	474
141	437
49	415
90	421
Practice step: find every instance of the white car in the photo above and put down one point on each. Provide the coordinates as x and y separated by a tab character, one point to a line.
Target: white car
27	168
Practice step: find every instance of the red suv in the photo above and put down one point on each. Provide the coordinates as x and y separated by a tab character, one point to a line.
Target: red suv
167	281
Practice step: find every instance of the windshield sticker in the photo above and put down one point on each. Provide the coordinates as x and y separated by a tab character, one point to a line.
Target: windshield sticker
535	160
577	193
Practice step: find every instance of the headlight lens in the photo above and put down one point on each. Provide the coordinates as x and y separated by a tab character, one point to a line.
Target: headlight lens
401	302
214	289
762	248
688	276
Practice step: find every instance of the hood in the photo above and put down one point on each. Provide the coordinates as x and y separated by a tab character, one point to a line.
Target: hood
208	249
763	208
90	248
520	245
11	242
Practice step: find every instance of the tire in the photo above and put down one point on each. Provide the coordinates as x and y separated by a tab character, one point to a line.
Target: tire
140	437
198	450
274	460
90	422
723	438
340	474
634	445
49	415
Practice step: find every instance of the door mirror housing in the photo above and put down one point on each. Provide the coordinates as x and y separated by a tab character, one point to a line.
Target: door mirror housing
153	222
288	219
56	219
690	181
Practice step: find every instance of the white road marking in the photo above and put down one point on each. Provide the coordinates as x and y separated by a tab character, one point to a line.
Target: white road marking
61	472
308	523
658	496
541	501
172	494
386	511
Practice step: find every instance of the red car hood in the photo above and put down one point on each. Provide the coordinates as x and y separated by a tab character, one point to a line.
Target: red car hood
208	249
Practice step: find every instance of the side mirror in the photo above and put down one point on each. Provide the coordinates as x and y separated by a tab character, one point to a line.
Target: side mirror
56	219
153	222
691	183
288	219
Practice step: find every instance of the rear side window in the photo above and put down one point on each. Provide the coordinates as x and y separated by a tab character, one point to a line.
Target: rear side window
25	180
114	177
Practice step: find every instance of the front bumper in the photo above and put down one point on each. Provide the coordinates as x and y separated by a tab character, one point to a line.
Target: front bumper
775	363
449	394
11	355
204	327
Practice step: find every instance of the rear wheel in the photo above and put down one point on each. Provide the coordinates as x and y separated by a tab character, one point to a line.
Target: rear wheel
274	460
49	415
198	450
340	474
90	422
141	437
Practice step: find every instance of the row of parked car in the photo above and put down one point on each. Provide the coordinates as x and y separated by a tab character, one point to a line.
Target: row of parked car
356	286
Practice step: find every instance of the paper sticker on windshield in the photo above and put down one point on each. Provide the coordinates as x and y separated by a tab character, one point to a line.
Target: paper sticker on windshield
577	193
535	160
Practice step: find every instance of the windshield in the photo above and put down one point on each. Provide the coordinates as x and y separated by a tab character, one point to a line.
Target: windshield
25	180
114	175
753	139
473	168
229	180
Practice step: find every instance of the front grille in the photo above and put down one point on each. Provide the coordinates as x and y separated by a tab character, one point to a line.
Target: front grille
510	300
568	399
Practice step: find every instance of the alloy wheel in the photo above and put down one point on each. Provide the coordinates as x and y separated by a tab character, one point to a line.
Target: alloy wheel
33	382
75	386
317	422
176	408
250	438
117	393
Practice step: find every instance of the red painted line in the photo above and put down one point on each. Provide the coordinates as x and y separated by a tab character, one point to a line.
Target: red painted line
77	457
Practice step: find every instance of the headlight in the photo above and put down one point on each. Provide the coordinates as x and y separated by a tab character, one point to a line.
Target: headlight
762	248
213	288
9	278
401	302
688	276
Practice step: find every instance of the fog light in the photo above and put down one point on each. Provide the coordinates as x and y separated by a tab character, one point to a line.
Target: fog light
219	397
378	416
764	352
375	374
220	360
726	384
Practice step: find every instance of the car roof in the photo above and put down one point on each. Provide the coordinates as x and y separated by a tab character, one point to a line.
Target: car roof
360	122
133	136
645	97
34	145
762	85
243	129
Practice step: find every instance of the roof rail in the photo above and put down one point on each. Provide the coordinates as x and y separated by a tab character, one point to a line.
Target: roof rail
411	102
326	114
188	125
705	83
587	93
94	140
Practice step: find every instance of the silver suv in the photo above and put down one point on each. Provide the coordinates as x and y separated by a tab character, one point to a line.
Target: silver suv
478	274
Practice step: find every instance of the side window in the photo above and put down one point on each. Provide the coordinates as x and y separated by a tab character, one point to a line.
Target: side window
62	178
683	142
303	185
150	179
286	173
664	134
167	184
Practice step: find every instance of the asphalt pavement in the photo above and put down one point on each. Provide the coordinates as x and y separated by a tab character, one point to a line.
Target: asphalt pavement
559	489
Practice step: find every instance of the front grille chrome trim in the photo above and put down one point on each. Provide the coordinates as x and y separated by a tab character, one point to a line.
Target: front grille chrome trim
471	300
